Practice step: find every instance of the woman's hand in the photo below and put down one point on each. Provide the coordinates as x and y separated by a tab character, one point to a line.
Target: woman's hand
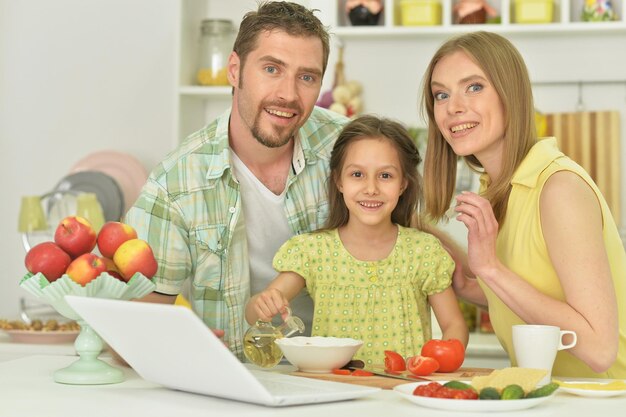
482	230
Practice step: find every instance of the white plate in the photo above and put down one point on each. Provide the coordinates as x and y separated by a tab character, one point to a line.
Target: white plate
406	390
585	392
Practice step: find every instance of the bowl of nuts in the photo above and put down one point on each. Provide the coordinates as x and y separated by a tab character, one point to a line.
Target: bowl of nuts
40	331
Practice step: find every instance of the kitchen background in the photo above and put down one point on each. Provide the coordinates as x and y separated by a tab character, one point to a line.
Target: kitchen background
84	76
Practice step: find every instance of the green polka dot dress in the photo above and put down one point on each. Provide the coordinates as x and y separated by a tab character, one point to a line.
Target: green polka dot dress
384	303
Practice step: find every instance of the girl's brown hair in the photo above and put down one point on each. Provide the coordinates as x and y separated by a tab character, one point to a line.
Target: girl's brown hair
372	127
505	68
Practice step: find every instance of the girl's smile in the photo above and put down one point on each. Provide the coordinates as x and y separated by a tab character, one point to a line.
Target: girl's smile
371	181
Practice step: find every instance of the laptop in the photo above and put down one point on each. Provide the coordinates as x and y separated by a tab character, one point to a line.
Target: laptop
170	345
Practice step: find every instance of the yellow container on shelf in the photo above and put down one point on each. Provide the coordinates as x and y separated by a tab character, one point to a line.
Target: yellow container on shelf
533	11
420	12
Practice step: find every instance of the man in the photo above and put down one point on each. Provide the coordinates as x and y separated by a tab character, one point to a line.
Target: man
217	209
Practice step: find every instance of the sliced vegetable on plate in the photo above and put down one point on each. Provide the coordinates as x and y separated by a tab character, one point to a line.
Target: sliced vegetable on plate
446	398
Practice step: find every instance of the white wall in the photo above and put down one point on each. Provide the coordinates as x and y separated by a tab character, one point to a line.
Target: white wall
391	71
77	76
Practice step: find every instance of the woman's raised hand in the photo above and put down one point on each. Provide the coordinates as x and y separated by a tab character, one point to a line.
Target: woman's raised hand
482	230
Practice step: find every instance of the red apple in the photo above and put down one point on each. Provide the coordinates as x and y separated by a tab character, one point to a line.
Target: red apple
112	235
49	259
86	268
117	275
112	270
75	235
134	256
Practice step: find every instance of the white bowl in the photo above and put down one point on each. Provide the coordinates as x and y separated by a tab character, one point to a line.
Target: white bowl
318	354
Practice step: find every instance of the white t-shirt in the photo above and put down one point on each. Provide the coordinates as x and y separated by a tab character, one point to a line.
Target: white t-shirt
265	235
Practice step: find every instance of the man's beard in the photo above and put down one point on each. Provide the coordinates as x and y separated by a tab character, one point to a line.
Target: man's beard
273	139
270	140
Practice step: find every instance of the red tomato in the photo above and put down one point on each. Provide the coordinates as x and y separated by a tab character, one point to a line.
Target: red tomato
422	365
394	361
449	353
436	390
338	371
471	394
361	372
427	390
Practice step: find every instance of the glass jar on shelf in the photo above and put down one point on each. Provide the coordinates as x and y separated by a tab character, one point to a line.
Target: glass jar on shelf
216	43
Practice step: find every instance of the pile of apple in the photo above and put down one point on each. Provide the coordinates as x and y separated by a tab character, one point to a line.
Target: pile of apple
123	254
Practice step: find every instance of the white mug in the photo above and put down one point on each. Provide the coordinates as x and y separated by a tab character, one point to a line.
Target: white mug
536	346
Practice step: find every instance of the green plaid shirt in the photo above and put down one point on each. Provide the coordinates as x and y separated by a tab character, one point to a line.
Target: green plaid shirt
190	213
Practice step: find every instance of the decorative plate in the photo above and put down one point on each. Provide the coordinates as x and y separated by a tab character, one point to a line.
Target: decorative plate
127	171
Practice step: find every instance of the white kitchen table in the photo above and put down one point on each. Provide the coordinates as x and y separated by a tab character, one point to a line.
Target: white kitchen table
11	350
27	389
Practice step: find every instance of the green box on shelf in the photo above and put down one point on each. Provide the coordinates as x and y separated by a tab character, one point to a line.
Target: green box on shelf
533	11
420	12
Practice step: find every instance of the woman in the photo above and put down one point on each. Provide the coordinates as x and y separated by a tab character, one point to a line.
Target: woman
541	240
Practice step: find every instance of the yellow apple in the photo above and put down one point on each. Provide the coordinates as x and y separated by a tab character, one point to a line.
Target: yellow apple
134	256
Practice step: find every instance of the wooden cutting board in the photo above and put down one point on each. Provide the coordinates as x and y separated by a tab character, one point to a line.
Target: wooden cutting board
388	383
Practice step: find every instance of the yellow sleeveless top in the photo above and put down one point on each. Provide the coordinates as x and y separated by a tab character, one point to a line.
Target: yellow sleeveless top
522	248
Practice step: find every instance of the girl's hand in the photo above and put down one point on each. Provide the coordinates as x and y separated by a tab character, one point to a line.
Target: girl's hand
269	303
482	230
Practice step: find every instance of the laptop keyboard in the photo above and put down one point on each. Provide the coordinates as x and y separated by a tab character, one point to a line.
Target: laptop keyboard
278	384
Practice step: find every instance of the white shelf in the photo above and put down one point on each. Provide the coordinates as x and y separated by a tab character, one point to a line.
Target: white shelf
356	32
198	105
566	17
195	90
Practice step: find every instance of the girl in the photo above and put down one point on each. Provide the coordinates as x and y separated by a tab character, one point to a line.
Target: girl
370	275
541	239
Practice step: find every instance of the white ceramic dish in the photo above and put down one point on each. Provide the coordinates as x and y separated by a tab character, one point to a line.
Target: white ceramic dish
585	392
318	354
406	391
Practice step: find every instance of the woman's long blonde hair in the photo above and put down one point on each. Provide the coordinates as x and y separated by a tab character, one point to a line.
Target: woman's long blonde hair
505	68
